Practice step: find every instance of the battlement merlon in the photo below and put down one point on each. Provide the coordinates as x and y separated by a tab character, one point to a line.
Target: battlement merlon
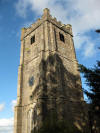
46	13
46	17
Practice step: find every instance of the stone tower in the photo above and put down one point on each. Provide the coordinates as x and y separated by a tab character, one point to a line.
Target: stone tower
48	77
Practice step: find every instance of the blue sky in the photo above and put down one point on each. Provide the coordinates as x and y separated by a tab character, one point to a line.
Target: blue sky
15	14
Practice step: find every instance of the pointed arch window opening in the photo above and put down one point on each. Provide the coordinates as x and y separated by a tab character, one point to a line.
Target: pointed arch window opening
32	39
62	37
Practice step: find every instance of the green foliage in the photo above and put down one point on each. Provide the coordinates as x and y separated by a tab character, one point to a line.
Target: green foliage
98	30
92	79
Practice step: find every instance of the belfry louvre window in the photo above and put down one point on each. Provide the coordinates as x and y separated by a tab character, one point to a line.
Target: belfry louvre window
62	37
33	39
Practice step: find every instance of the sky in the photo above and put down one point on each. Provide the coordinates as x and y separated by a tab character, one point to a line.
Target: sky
84	16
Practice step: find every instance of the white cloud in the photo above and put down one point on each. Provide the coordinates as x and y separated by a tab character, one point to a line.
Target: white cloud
13	103
6	125
87	14
86	43
2	106
79	40
83	15
21	7
89	49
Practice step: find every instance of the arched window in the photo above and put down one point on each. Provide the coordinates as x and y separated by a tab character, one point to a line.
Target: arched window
35	115
32	39
32	119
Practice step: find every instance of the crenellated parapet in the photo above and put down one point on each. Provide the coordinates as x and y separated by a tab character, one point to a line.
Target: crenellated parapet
46	17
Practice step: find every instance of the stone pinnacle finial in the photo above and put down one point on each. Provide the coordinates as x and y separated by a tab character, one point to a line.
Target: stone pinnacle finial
46	12
69	28
68	25
22	32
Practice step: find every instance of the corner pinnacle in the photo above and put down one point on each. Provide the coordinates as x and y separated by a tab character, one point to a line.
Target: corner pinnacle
46	12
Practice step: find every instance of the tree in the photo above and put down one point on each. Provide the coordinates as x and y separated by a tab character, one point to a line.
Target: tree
92	79
98	31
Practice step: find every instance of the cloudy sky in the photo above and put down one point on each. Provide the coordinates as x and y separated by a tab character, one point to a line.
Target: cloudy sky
83	15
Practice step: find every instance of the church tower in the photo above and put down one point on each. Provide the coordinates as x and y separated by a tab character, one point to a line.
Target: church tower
48	76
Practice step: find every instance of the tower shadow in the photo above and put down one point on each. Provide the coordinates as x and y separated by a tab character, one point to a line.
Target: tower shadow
59	95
